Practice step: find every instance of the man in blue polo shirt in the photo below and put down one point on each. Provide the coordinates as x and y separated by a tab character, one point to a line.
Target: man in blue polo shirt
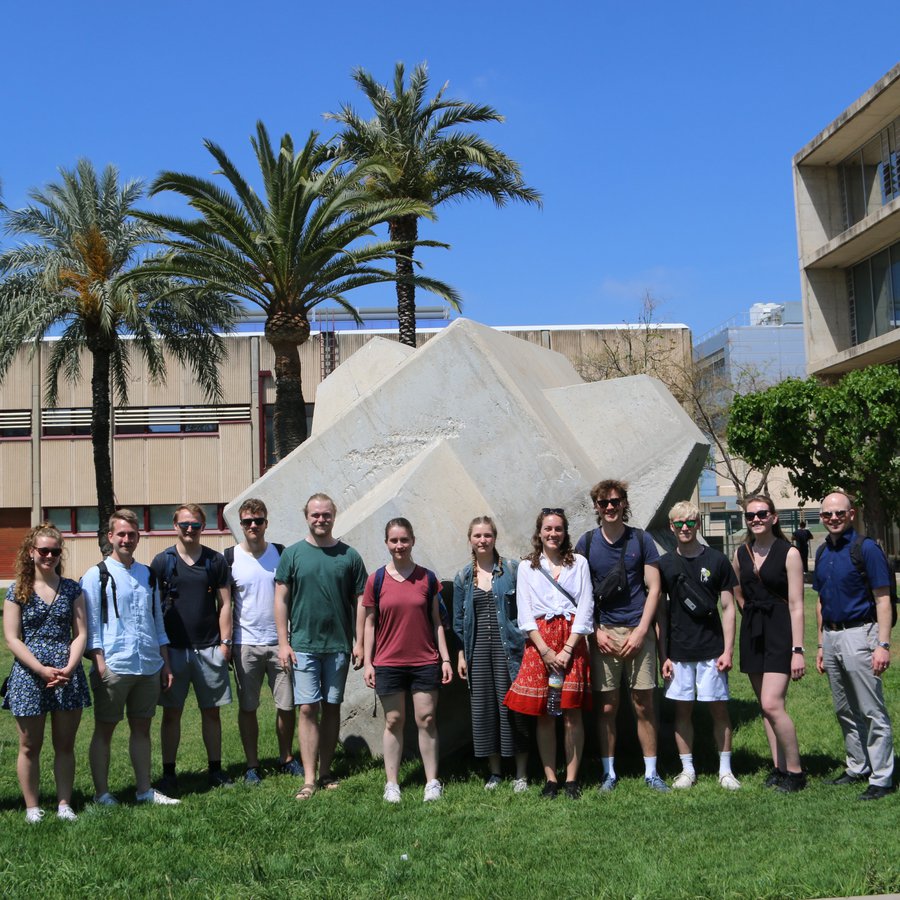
854	616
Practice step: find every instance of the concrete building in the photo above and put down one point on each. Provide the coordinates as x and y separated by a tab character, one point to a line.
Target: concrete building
847	195
169	446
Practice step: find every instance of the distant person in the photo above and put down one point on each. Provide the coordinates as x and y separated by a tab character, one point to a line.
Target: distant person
553	592
696	644
770	595
252	564
625	578
801	539
405	649
130	650
318	583
45	629
491	646
853	579
196	602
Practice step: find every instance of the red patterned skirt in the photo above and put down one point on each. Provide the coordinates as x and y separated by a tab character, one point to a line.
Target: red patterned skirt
528	693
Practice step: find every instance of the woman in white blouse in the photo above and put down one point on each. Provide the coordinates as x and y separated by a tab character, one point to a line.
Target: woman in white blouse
556	609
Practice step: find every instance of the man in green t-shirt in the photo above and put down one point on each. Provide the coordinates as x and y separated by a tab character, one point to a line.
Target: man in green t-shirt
318	584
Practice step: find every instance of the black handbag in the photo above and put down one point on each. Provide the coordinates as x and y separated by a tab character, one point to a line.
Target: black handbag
696	599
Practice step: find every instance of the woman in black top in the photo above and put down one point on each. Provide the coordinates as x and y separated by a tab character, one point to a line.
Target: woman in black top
770	595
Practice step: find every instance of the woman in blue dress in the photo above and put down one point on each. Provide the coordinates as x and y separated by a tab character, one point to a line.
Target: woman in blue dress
45	627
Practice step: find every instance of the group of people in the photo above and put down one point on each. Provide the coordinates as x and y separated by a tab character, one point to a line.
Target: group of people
544	637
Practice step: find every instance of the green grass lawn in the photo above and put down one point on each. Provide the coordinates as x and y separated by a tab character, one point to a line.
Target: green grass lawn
259	842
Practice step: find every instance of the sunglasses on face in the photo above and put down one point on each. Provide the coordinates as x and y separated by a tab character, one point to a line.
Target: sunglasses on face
254	520
190	526
554	511
837	514
680	523
762	516
48	551
612	502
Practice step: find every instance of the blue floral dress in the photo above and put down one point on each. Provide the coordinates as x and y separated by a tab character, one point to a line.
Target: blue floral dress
47	632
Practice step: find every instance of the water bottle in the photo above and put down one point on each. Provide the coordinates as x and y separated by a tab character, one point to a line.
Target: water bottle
554	694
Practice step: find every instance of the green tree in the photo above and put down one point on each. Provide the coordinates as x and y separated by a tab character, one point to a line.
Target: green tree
420	156
301	243
844	435
72	278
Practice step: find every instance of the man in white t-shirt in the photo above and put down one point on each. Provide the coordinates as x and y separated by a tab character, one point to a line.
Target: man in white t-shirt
253	563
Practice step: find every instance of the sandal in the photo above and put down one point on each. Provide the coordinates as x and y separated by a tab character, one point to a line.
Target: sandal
306	792
330	783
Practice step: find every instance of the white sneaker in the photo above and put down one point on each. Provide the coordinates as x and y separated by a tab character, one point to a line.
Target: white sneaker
684	780
66	813
106	799
433	791
520	785
729	782
392	792
156	797
33	816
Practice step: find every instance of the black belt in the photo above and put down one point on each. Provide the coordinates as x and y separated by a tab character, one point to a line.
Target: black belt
852	623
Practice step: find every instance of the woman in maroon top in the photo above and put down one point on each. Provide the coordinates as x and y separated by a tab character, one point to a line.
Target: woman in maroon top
405	649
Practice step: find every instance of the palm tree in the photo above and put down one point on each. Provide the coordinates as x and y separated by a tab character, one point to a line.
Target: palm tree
72	279
287	251
421	157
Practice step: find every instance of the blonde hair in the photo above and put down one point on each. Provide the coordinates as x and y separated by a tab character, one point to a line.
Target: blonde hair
193	509
24	585
684	509
485	520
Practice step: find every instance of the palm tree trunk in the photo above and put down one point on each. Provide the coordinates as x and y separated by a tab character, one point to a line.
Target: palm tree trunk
405	230
286	332
100	424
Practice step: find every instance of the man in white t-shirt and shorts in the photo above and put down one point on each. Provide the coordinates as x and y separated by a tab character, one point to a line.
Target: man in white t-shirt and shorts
696	645
253	563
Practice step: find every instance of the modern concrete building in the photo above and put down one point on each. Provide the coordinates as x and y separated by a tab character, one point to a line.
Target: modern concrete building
847	195
169	446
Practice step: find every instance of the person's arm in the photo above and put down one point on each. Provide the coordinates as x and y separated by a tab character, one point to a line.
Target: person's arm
738	593
12	632
165	673
635	640
820	653
369	646
358	637
440	637
881	658
729	628
794	568
662	621
79	636
458	625
226	625
286	656
526	613
90	591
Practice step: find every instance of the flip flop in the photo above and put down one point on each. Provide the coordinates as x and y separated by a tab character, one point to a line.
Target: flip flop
329	784
306	792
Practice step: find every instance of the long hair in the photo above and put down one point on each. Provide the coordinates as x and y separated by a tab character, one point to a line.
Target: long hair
537	548
776	526
24	566
485	520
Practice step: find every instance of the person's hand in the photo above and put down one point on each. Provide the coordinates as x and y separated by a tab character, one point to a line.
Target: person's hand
798	666
446	672
668	670
549	659
633	643
53	677
820	661
605	642
358	659
287	659
226	651
724	662
881	659
462	669
100	665
166	678
564	659
369	676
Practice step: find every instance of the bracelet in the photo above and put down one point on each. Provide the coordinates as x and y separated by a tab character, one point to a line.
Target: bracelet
798	650
566	649
445	660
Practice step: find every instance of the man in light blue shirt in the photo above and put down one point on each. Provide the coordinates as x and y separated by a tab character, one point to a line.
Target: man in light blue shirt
129	647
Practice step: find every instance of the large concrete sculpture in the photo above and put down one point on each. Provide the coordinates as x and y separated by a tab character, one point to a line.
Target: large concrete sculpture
474	422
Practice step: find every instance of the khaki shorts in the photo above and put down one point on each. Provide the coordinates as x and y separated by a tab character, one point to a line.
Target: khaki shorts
252	662
639	671
113	693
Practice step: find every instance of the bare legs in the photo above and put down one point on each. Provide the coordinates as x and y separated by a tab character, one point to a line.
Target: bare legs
248	725
64	726
771	690
573	728
424	708
318	737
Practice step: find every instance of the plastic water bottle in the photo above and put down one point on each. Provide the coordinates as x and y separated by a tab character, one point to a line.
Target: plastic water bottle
554	694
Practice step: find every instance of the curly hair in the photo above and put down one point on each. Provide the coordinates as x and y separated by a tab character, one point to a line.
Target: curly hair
601	491
485	520
24	585
537	547
770	503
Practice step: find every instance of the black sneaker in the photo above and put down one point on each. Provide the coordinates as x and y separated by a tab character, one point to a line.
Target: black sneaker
551	790
847	778
774	778
219	778
573	792
876	792
792	782
168	785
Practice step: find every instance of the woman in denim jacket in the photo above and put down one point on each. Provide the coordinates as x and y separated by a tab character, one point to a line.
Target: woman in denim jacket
491	646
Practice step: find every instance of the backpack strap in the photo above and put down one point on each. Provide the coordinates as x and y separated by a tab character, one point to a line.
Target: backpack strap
105	579
228	553
278	547
859	562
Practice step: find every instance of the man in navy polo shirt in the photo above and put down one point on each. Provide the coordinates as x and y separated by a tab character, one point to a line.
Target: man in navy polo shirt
854	615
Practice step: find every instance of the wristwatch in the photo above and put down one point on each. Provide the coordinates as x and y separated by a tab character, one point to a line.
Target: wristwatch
798	650
884	645
226	641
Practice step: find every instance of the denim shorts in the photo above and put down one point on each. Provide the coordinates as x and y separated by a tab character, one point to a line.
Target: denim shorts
320	676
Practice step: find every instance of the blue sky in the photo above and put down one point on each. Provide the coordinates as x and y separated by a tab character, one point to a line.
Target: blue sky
660	133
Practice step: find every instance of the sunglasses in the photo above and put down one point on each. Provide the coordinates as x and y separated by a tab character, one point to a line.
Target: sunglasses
254	520
48	551
613	502
190	526
552	511
837	514
680	523
762	516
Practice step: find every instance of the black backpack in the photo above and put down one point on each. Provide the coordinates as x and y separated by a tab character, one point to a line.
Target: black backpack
168	590
228	552
856	555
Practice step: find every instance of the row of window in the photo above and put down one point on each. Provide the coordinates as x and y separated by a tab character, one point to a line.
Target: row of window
874	289
154	517
871	176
